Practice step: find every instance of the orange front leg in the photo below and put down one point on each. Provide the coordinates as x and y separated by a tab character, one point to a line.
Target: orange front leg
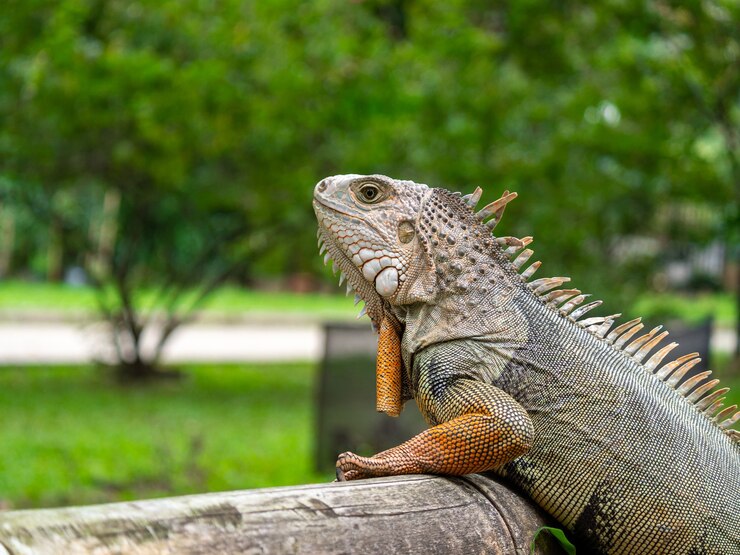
486	428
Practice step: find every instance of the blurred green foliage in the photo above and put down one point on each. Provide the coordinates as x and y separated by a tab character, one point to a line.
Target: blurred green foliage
599	115
179	140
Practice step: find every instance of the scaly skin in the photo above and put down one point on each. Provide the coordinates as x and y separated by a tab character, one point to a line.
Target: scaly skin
583	416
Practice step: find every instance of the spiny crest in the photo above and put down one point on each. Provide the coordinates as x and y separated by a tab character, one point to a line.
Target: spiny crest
342	278
698	390
494	211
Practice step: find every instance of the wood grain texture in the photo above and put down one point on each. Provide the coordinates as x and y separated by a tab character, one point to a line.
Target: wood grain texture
405	514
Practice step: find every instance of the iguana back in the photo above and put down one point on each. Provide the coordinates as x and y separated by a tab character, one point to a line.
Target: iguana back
584	415
618	456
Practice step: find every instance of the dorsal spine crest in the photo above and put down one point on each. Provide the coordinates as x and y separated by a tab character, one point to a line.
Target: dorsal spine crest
698	390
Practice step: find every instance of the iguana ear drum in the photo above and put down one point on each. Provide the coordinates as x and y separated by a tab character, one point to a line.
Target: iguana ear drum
406	231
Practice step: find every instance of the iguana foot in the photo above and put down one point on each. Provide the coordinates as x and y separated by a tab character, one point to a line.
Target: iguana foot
355	467
352	467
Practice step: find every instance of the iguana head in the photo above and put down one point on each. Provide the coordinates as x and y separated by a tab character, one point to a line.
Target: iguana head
368	226
399	242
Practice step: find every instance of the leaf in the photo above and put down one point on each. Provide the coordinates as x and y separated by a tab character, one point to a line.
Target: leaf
559	535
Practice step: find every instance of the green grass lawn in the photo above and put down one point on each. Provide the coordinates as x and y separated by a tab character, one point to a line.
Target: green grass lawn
70	436
18	295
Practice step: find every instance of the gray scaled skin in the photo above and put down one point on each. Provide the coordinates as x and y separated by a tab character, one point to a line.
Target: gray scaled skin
585	417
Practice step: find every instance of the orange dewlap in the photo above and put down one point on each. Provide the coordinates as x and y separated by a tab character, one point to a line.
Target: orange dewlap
388	370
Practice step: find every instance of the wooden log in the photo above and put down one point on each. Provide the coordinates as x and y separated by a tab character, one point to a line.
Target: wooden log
405	514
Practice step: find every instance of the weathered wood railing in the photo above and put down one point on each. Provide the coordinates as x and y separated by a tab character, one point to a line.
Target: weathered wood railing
409	514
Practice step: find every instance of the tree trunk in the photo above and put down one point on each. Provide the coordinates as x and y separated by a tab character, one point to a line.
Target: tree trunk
7	239
55	252
103	235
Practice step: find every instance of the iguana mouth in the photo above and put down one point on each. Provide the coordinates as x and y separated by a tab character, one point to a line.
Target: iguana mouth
331	206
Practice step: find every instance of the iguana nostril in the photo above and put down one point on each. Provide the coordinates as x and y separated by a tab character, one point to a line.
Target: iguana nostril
321	187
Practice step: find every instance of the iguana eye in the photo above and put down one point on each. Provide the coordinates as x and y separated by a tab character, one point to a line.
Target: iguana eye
369	193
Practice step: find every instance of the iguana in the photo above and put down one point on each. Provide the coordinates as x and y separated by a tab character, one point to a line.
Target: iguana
582	414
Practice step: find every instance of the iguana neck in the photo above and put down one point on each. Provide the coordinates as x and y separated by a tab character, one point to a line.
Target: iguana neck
475	283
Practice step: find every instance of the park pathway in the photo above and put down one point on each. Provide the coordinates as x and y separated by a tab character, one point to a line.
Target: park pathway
243	340
75	343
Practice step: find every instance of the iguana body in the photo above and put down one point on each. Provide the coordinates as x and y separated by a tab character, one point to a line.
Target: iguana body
584	415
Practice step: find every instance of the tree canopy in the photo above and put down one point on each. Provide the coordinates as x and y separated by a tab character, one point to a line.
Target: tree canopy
602	116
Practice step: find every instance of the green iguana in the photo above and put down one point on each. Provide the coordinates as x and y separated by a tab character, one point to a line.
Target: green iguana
585	417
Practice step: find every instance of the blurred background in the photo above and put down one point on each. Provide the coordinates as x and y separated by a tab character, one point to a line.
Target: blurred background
162	301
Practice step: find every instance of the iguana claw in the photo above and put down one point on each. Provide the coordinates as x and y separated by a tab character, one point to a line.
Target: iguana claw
354	467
